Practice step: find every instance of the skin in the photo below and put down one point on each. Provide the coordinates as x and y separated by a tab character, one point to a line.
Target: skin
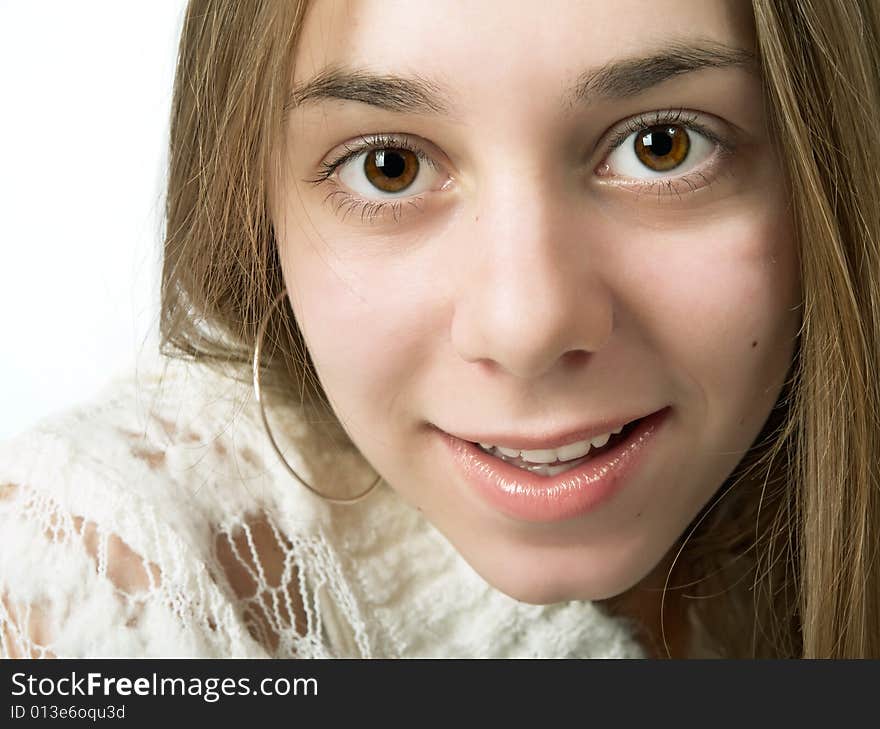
529	292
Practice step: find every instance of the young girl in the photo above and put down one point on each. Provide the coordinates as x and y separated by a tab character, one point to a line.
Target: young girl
562	325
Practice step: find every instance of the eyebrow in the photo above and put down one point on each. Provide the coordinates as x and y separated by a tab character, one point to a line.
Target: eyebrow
632	76
616	80
407	94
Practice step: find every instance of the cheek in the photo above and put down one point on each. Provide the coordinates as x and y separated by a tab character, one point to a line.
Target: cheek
721	305
366	326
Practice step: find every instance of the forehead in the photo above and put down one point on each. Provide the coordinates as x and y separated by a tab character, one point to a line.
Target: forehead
493	48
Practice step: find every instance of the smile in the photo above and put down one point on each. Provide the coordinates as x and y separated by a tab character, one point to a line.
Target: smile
554	484
553	461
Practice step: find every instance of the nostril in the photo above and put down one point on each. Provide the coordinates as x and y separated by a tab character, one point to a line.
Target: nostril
575	358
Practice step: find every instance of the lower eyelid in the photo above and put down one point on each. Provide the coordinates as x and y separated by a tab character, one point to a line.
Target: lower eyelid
708	172
345	204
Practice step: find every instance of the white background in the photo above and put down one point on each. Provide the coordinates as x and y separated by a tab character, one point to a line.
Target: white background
86	90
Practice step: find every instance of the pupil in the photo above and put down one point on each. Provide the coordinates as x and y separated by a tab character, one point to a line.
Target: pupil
659	144
391	164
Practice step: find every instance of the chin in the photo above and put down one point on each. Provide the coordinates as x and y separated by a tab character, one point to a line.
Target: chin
546	584
542	592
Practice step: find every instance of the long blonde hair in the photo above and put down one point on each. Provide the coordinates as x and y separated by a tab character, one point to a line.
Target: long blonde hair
784	557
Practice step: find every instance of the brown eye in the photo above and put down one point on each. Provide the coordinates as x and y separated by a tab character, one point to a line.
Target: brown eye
390	169
661	148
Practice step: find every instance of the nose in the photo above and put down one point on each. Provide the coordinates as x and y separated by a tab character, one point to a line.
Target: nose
531	292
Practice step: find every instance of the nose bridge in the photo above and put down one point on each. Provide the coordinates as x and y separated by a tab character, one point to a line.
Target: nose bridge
523	260
531	292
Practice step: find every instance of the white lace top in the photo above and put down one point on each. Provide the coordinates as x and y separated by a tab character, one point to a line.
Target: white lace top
156	521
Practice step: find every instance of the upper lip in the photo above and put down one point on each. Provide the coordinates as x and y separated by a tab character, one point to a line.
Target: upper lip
550	440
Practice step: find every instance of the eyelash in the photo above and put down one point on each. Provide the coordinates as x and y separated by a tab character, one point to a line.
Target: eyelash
371	209
725	147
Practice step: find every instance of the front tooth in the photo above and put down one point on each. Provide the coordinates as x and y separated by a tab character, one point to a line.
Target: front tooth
539	456
485	446
600	440
573	450
509	452
615	432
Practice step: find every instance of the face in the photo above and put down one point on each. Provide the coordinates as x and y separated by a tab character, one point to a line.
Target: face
520	244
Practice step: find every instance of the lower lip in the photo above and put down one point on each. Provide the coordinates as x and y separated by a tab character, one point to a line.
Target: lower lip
528	496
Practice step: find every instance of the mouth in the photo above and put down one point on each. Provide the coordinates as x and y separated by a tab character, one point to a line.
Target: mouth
567	484
552	462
